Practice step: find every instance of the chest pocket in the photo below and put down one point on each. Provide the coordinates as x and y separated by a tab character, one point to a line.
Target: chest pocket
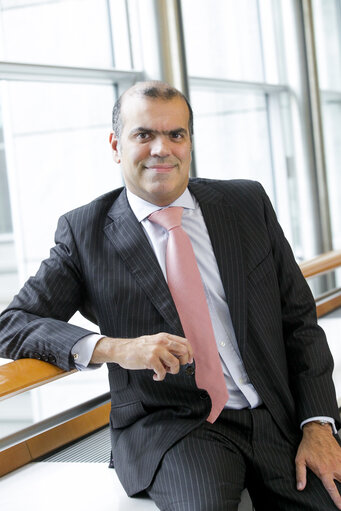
263	269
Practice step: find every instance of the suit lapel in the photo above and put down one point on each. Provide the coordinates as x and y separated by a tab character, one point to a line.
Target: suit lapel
131	243
222	224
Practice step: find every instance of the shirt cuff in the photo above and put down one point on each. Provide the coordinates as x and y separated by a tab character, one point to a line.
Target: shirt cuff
82	352
327	419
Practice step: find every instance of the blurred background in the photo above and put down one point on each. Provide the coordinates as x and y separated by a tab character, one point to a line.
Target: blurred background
264	80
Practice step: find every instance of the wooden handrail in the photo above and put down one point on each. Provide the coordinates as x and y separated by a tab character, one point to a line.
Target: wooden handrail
26	374
318	266
33	448
321	264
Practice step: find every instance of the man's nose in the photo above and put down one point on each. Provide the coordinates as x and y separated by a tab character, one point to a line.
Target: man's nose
160	147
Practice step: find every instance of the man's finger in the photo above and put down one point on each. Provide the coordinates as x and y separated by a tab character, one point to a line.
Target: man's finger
159	370
170	362
331	488
301	475
184	359
178	346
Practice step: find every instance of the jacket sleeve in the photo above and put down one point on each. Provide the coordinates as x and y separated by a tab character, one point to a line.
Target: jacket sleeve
309	361
34	325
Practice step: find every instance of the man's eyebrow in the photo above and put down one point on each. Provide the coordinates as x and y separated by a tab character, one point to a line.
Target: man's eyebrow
181	131
142	129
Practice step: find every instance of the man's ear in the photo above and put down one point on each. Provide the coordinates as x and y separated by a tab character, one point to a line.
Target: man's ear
114	144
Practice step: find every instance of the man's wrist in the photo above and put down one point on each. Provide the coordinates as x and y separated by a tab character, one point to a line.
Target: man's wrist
321	425
321	421
105	350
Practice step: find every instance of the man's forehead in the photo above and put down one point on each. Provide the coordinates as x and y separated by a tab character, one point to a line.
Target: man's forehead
135	100
137	107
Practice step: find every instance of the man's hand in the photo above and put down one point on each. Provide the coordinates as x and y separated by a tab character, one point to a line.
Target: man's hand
163	353
320	452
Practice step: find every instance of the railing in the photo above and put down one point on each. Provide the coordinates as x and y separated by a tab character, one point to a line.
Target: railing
37	440
321	265
25	374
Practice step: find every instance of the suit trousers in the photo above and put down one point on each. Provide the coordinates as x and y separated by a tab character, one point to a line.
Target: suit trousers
208	469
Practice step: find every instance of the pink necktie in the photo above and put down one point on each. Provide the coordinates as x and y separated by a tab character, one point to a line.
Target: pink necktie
185	285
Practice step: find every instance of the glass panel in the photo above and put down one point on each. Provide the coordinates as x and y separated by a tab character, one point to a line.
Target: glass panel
243	131
235	40
121	34
272	40
223	39
324	284
331	109
327	21
231	135
5	210
57	136
9	281
245	134
62	158
67	32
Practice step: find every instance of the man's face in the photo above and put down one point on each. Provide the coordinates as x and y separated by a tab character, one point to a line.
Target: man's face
155	147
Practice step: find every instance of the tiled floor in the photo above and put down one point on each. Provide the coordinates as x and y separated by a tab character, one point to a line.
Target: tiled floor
66	486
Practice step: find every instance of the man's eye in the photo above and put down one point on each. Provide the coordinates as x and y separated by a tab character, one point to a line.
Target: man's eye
177	135
142	136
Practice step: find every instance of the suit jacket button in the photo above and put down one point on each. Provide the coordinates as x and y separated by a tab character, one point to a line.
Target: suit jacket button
203	394
189	370
52	359
45	358
37	356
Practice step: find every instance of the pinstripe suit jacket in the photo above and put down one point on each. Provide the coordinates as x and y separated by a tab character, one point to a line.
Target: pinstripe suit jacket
103	265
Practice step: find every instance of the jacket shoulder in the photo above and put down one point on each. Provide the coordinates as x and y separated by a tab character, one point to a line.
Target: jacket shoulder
233	190
98	207
237	184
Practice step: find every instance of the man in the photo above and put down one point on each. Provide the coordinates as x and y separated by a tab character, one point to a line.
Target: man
275	432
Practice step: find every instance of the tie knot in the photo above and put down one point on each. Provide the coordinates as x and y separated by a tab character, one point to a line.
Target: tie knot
168	217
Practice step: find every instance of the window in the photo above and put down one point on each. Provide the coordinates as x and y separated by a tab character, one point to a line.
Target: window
248	96
327	20
60	78
57	32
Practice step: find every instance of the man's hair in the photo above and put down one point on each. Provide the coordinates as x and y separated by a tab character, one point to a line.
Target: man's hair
154	90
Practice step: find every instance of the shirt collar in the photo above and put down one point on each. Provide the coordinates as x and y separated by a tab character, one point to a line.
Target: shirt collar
142	209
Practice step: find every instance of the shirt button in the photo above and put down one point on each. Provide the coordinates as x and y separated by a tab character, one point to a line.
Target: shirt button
223	344
75	356
189	370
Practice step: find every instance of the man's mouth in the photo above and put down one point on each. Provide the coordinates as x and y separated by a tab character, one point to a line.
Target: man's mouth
161	168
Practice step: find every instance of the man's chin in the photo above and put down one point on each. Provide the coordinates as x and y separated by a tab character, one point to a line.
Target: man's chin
163	194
